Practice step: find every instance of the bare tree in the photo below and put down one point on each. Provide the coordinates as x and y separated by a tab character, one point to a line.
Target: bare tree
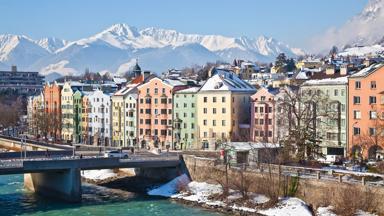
305	110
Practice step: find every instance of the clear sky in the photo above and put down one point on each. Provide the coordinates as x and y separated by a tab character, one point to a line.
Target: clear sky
291	21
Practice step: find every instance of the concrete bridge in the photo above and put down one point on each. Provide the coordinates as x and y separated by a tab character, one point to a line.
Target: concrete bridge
60	177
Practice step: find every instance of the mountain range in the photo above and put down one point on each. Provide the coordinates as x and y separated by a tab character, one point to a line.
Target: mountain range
364	29
116	49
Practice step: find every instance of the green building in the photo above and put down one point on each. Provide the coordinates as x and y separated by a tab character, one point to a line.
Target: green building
332	130
184	119
77	115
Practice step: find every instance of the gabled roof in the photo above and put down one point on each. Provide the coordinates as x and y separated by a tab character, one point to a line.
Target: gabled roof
225	80
129	89
368	70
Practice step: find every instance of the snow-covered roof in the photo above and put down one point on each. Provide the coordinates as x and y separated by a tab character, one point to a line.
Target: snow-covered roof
301	75
126	90
226	81
246	146
327	81
189	90
119	80
174	82
368	70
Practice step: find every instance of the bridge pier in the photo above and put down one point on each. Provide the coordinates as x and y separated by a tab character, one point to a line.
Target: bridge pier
63	184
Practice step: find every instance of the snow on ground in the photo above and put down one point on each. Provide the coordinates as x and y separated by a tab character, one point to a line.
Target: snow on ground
363	213
170	188
200	192
288	207
98	174
325	211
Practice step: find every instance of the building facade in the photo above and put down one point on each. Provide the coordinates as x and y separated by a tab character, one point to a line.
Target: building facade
77	115
223	109
30	83
99	118
333	128
365	112
185	119
263	116
67	114
52	106
124	117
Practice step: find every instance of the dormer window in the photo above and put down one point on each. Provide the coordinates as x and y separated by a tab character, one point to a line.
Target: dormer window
262	98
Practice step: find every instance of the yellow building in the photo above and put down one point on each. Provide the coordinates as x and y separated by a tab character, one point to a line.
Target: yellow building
124	121
67	123
223	109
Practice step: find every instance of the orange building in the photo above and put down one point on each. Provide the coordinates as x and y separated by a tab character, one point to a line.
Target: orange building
366	112
155	112
52	105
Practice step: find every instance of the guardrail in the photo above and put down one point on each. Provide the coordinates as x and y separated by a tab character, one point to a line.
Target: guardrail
17	139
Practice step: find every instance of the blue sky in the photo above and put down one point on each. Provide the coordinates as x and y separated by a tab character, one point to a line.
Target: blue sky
291	21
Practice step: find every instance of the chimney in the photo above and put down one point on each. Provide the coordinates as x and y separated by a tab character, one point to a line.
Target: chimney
146	74
343	70
330	70
14	68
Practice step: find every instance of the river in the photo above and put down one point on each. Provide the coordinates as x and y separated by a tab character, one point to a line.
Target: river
15	200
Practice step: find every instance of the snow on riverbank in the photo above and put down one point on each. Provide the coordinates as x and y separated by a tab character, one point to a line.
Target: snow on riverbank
288	206
170	188
200	192
98	174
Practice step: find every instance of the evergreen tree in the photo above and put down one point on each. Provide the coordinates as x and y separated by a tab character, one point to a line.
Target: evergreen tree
334	50
291	65
281	61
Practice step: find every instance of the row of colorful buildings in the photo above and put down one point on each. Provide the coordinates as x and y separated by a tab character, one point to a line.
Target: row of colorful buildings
181	114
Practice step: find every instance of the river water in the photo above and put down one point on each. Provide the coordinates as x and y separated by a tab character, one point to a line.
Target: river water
15	200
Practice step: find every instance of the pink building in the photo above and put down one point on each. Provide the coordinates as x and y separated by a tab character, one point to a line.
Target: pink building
263	116
155	112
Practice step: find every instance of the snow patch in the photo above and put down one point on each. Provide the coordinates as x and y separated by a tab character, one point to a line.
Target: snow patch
170	188
98	174
288	207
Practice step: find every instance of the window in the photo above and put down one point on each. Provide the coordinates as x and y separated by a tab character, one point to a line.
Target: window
256	109
147	90
156	100
372	114
192	125
270	121
205	110
270	109
372	99
163	91
336	92
356	114
373	84
205	122
147	111
223	110
382	99
261	121
262	98
372	131
148	121
156	91
356	100
213	122
185	105
214	110
256	121
205	99
256	133
269	133
342	92
214	99
357	85
261	133
356	131
205	134
261	109
223	99
222	122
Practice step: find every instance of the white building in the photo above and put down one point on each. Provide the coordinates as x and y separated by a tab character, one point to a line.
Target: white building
99	118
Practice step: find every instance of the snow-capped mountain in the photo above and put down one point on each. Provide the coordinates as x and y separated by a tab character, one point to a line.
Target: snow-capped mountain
51	44
363	29
115	48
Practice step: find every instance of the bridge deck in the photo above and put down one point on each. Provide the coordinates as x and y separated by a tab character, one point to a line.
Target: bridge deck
57	164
